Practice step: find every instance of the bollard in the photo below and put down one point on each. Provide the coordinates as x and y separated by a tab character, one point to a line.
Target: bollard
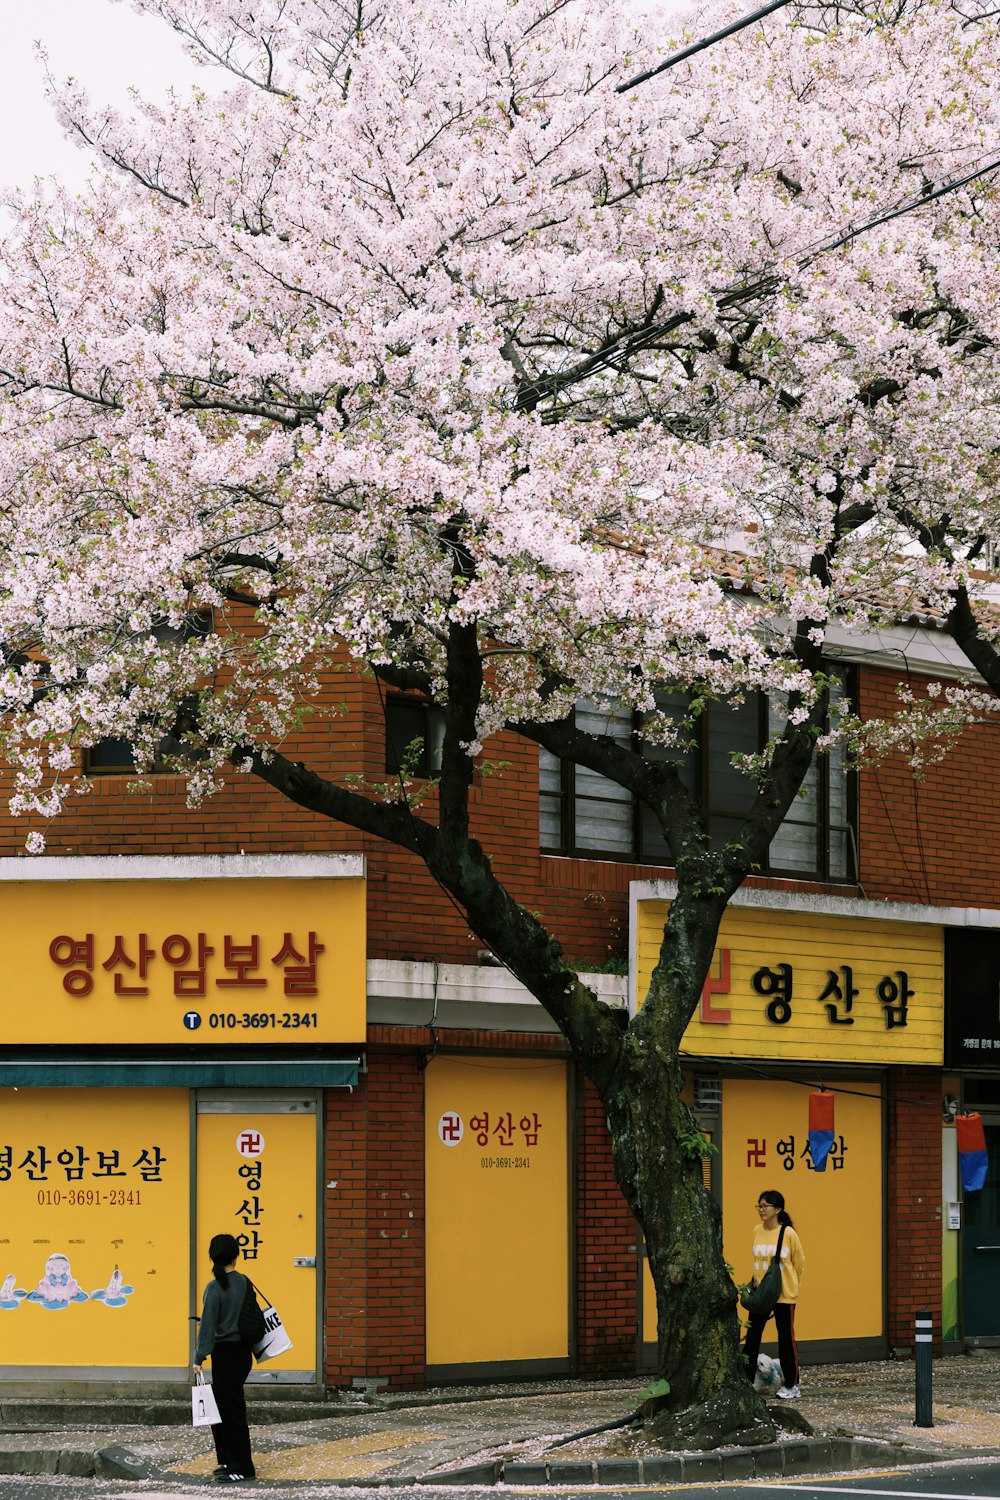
922	1339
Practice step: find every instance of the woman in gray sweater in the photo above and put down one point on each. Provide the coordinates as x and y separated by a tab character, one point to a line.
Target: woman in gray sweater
219	1338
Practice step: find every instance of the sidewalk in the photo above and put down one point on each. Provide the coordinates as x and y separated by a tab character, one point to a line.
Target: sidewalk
862	1415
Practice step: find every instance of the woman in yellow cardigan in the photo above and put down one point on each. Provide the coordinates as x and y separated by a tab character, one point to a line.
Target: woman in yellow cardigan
771	1208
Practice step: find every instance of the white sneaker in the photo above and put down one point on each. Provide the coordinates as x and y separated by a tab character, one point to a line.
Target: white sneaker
789	1393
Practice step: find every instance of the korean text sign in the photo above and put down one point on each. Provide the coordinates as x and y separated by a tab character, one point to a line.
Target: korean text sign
799	984
174	961
257	1181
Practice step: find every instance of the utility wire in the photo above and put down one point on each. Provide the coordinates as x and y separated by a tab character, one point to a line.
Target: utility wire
708	41
624	346
895	213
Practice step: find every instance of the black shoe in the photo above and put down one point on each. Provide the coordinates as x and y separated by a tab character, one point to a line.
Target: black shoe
231	1477
220	1472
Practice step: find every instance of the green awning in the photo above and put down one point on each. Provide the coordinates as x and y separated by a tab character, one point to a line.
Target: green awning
153	1072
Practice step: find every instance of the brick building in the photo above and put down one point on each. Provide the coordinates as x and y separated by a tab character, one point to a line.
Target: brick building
440	1203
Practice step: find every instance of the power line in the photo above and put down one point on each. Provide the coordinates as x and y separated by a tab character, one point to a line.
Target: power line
627	345
717	36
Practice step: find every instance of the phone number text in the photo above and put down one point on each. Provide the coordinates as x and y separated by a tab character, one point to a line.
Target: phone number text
289	1020
90	1198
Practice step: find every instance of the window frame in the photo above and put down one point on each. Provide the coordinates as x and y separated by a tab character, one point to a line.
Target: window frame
199	622
563	804
425	769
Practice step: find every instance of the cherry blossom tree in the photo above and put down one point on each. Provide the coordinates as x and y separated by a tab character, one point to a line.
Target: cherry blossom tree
419	342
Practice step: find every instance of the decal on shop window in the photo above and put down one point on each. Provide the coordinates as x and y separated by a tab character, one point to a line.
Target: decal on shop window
58	1289
451	1128
75	1164
499	1130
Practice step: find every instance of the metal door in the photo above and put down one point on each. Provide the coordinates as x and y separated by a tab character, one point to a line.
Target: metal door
981	1246
257	1180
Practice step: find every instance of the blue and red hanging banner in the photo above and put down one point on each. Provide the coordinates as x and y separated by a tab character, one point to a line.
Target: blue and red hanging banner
820	1128
971	1151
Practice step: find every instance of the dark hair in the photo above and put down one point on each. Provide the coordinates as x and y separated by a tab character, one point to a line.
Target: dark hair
223	1250
775	1198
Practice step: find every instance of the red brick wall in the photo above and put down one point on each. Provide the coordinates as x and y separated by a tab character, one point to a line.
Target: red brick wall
915	836
394	1120
344	1198
375	1224
375	1217
914	1206
606	1285
933	838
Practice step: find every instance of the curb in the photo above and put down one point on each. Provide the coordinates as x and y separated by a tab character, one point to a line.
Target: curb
30	1416
770	1461
34	1461
462	1396
797	1456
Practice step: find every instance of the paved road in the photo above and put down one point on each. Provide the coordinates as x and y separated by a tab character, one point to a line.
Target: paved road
956	1480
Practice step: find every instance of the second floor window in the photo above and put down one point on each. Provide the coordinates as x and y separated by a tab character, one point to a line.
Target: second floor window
583	813
116	757
414	734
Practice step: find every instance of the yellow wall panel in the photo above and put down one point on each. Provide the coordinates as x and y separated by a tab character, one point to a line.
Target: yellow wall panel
648	1304
496	1153
94	1227
817	951
837	1213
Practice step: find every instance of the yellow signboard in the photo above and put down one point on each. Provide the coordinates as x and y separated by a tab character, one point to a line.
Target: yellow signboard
94	1228
257	1181
807	985
168	961
496	1155
764	1145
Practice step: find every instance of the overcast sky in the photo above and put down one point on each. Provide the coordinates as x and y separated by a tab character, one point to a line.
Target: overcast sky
106	46
109	48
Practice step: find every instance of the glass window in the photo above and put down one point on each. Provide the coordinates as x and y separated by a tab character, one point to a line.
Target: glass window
414	735
603	810
583	813
111	757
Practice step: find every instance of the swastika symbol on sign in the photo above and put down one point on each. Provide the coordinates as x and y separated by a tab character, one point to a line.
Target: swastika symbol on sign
756	1152
250	1143
450	1128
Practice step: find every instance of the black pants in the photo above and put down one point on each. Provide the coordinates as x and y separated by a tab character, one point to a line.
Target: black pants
788	1354
231	1364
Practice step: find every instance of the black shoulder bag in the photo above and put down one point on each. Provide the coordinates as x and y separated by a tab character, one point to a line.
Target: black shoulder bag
251	1326
759	1297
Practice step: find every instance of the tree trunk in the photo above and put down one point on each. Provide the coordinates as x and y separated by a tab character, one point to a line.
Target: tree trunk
658	1165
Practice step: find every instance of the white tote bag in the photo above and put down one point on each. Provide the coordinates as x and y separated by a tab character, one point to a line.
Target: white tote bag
204	1411
275	1340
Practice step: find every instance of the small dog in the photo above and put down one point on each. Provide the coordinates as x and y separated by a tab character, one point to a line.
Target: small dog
768	1378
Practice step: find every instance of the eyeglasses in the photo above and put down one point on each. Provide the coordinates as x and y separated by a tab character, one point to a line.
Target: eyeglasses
761	1207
